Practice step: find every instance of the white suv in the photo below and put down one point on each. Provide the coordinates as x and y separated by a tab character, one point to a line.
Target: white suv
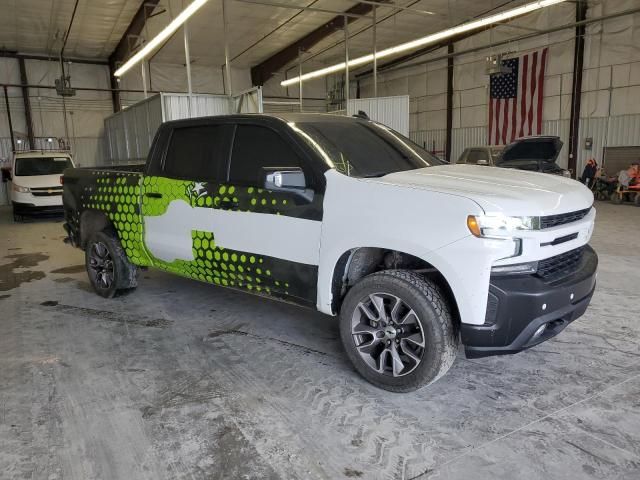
36	181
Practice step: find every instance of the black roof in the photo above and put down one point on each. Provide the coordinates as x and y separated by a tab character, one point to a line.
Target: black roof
284	117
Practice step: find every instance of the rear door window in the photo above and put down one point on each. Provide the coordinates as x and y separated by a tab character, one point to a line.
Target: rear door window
475	155
256	147
198	152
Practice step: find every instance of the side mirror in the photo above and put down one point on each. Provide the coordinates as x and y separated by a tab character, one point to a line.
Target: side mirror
483	162
287	180
6	174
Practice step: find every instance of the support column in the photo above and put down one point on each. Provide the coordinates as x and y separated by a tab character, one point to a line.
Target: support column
24	81
187	59
6	102
576	90
227	63
449	133
143	71
375	52
115	86
300	77
346	65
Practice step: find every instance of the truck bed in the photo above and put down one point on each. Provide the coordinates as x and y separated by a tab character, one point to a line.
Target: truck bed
103	190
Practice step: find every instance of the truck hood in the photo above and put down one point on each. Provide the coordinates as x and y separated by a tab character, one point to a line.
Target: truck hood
497	190
39	181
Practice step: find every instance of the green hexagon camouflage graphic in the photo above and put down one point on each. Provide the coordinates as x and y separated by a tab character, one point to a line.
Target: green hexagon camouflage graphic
118	195
225	267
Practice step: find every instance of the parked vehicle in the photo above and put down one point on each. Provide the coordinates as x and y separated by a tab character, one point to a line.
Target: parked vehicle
536	154
347	216
35	181
481	155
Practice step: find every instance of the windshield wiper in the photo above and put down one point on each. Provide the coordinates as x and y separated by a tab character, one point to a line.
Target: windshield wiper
375	175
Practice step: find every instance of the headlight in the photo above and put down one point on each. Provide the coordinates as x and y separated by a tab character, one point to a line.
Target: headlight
18	188
500	225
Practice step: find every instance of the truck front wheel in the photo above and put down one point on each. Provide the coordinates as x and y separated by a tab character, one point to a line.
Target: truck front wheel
397	330
108	267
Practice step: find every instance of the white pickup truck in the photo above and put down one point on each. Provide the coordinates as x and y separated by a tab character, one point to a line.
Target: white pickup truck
35	179
347	216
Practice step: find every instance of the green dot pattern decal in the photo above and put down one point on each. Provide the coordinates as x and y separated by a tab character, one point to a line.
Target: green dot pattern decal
214	264
123	198
117	195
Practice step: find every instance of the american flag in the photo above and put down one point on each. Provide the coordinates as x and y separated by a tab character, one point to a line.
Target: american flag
515	99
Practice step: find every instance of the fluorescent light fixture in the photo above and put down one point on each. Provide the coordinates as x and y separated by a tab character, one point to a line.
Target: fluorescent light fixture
161	37
429	39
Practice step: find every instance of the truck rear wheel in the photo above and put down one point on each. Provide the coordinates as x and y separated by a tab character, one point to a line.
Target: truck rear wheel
110	271
397	330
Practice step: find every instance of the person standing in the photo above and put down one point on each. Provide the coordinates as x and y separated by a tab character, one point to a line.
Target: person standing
589	172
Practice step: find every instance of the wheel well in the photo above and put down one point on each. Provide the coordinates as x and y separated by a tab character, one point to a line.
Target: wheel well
92	221
360	262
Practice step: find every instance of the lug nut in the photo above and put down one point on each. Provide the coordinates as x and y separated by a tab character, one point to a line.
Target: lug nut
388	342
397	340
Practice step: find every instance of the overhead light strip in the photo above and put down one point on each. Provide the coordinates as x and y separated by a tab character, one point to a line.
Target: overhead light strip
428	40
161	37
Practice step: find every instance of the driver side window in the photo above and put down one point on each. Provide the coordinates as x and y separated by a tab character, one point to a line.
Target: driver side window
254	148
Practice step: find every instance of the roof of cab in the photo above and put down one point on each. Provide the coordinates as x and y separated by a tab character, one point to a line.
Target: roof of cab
284	117
42	153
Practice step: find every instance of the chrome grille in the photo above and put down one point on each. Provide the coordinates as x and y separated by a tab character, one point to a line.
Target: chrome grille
46	191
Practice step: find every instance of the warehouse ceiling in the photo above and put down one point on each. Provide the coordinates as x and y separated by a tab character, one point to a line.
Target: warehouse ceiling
256	32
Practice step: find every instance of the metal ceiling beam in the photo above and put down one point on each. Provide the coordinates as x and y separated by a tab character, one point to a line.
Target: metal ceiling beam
393	66
28	56
268	3
265	70
123	49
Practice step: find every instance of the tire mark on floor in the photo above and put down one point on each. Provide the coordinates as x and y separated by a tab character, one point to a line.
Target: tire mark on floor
107	315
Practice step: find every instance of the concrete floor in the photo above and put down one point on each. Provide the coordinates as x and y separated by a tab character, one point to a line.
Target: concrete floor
181	380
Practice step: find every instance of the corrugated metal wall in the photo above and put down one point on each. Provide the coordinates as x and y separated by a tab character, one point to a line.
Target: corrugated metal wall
129	133
390	111
617	131
176	105
432	140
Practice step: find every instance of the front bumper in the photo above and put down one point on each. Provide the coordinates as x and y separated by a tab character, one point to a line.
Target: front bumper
20	208
520	306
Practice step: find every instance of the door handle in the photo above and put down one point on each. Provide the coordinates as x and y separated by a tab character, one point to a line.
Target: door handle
229	205
153	195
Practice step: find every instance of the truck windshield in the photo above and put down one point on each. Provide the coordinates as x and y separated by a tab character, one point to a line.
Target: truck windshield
364	149
31	166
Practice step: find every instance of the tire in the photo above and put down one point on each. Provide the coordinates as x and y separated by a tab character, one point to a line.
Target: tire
636	200
430	325
110	271
616	198
17	218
